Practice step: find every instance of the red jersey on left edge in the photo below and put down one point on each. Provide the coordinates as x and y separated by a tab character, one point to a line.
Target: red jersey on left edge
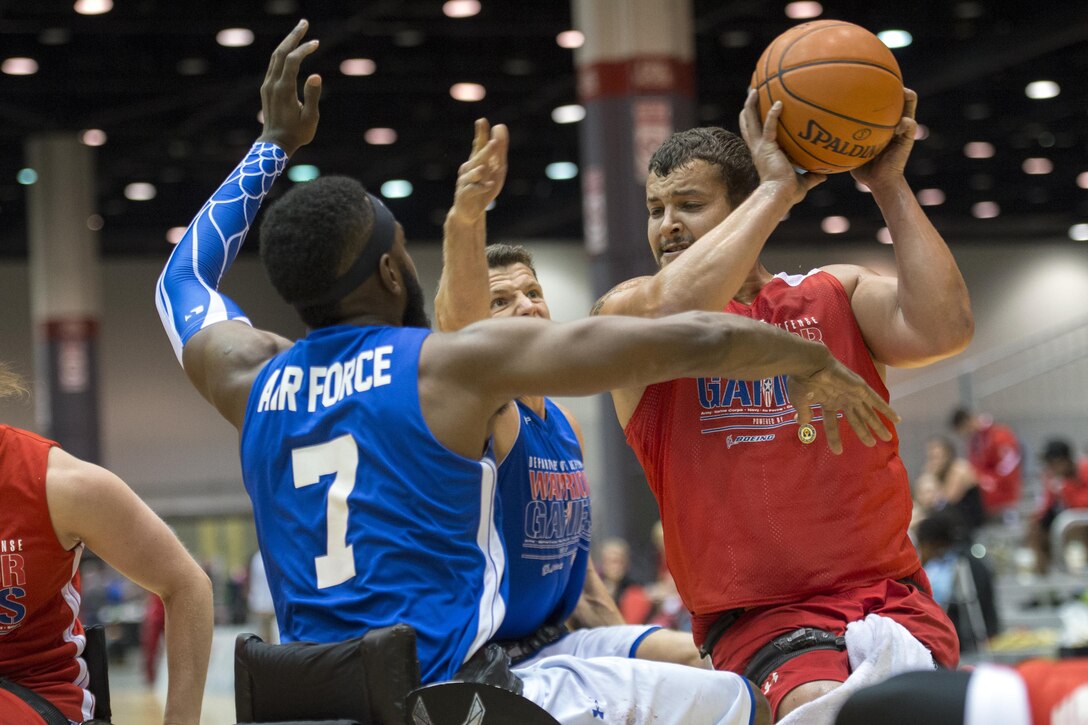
41	639
755	510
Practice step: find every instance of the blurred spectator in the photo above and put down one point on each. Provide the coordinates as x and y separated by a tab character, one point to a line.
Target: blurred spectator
668	609
630	597
259	600
1064	487
995	454
962	583
948	480
152	629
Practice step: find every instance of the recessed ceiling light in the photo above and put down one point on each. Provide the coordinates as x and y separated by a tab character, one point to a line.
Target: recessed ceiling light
985	210
93	137
930	197
192	66
174	234
281	7
234	37
19	66
735	39
468	92
408	38
140	191
1037	165
1079	232
570	39
978	150
561	170
1041	90
883	235
301	173
461	8
396	189
568	114
804	10
921	132
95	222
358	67
380	136
1082	179
835	225
895	38
93	7
54	36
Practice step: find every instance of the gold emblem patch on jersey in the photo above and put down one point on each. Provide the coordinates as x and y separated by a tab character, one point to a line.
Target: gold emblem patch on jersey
807	433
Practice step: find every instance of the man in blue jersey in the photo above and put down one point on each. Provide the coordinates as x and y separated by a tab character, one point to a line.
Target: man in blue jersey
542	487
362	444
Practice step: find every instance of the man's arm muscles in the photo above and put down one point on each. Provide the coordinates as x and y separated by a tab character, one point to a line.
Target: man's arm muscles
216	356
85	504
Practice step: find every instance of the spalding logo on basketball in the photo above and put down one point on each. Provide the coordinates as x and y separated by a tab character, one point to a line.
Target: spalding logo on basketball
841	92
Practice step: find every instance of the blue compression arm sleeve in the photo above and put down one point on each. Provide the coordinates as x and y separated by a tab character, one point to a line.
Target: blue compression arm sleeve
187	295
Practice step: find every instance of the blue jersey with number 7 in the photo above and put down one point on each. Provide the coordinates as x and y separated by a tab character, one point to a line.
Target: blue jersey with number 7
364	519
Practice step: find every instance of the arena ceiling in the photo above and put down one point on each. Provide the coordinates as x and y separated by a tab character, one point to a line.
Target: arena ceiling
178	109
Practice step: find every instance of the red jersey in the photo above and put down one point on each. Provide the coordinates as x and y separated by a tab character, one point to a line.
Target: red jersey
1057	690
994	451
41	639
755	510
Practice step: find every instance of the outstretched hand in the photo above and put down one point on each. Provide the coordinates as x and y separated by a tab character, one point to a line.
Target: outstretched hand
837	388
771	162
289	123
480	179
892	161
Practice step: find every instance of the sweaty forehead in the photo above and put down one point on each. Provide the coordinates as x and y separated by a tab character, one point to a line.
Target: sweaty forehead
694	177
517	276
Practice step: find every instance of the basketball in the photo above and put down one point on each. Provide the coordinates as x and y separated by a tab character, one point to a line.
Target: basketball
841	92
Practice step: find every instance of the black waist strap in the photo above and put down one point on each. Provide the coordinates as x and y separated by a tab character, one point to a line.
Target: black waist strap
526	647
48	711
782	649
722	623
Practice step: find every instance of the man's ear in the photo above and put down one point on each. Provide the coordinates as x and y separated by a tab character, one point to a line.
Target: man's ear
390	274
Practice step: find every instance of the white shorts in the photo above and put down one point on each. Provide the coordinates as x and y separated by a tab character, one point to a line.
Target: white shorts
602	690
618	641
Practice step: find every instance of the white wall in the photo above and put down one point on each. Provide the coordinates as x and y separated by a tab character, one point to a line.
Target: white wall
164	439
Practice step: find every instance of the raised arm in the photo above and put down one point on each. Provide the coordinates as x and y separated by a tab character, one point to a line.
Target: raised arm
536	357
463	296
922	314
86	504
212	338
711	271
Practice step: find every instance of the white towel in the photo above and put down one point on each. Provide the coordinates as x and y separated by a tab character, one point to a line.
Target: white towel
878	648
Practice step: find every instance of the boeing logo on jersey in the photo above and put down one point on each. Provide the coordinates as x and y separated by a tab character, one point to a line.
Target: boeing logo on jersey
732	440
12	583
716	393
326	386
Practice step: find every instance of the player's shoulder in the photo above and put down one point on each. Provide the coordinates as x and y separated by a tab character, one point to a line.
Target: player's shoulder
607	304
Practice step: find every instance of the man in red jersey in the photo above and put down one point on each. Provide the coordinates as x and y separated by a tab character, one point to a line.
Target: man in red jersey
53	505
994	451
775	544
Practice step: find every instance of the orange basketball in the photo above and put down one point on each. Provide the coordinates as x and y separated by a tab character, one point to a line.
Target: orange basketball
841	93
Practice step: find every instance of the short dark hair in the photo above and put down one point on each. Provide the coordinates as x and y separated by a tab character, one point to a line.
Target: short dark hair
942	528
310	235
1057	449
961	416
504	255
717	147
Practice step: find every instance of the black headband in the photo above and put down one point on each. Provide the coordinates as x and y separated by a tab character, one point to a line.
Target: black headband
381	239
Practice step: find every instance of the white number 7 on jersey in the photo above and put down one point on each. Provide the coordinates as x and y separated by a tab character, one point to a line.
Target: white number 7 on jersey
339	456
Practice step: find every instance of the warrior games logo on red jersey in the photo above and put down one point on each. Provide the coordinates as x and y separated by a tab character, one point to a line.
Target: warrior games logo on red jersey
12	585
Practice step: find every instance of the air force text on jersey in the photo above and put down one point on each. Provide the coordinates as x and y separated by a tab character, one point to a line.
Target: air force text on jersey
326	386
